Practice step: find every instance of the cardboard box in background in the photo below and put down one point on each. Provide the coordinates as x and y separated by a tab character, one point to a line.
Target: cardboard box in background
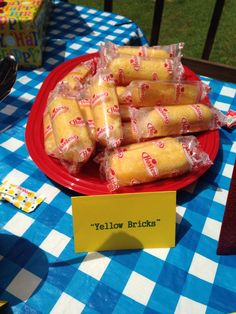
22	28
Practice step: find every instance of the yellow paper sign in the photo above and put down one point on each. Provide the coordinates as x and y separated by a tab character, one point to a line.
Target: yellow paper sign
124	221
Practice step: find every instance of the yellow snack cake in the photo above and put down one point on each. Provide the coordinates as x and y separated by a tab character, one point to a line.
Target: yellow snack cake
161	51
69	129
152	160
105	108
127	68
162	121
160	93
77	76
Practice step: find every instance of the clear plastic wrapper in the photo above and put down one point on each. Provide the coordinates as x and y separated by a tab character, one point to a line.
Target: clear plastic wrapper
105	108
84	102
50	145
161	93
152	160
77	76
125	112
70	130
165	51
126	68
130	133
151	122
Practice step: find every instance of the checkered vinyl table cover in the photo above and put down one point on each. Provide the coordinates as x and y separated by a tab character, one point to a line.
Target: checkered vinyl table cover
39	271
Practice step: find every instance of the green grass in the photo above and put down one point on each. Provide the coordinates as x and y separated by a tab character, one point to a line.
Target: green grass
183	20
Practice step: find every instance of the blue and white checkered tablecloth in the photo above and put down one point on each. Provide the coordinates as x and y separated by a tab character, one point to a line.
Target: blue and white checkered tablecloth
39	271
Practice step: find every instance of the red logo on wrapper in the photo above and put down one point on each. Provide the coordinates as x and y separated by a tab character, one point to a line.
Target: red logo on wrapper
185	126
160	144
150	164
77	121
198	111
135	62
120	152
108	78
179	90
169	65
111	177
142	51
101	132
121	77
114	110
114	143
58	110
151	129
127	99
91	123
155	76
143	88
85	153
163	113
66	142
84	102
48	130
96	98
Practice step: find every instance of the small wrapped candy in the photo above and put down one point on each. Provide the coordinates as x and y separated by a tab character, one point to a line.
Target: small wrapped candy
20	197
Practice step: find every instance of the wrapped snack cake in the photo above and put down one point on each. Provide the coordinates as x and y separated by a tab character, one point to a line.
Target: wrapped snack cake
69	128
163	93
105	108
126	68
152	160
167	51
151	122
77	76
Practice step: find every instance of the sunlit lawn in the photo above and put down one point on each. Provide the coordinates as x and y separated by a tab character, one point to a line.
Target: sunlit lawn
183	20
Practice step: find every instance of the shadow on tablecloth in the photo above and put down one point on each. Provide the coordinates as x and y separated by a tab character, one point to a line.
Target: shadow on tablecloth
23	269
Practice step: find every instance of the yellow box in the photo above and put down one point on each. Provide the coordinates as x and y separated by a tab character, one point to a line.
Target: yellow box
22	25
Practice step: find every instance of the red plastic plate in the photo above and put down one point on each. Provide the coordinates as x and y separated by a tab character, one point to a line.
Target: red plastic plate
88	181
